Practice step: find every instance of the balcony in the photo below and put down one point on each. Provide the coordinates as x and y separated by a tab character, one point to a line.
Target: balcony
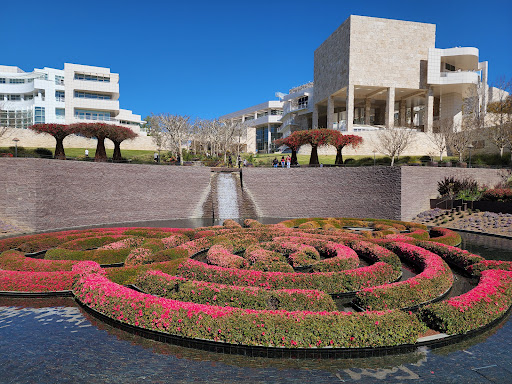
95	86
96	104
460	77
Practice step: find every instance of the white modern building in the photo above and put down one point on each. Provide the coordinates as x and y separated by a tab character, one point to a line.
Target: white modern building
64	96
372	74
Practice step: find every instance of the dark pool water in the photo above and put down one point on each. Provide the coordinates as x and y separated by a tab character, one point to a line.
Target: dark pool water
54	341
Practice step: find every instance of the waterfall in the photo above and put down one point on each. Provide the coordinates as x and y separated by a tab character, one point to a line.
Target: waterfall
227	199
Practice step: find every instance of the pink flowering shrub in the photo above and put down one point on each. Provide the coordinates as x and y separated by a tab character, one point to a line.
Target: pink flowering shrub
174	241
375	253
260	259
16	261
23	281
329	282
489	300
195	246
444	236
231	224
452	255
483	265
245	326
219	255
102	256
202	292
237	241
129	242
138	256
434	280
91	242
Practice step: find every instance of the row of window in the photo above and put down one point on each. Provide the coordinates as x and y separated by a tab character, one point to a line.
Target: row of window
16	119
3	80
89	95
17	97
92	115
83	76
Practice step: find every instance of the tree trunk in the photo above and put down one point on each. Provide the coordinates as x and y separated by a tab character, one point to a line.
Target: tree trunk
101	154
294	157
339	156
501	151
441	156
392	160
117	151
59	149
313	160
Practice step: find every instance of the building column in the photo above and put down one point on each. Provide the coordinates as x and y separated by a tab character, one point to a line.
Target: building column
412	115
350	108
314	123
403	105
330	112
367	110
429	112
390	108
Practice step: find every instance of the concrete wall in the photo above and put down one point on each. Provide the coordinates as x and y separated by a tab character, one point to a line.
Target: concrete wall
50	194
47	194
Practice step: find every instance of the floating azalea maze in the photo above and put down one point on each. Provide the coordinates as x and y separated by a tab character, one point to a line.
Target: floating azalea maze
303	287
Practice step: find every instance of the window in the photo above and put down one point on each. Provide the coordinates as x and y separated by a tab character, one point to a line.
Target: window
276	112
14	97
92	115
90	95
59	80
88	77
302	102
16	81
28	97
60	113
449	67
2	80
39	115
60	96
16	118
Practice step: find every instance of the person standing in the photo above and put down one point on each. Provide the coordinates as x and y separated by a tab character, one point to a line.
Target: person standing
275	162
282	161
239	161
86	153
155	157
230	161
288	161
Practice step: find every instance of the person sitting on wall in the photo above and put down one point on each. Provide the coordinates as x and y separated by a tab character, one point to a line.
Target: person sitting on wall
275	162
288	161
86	153
282	161
155	157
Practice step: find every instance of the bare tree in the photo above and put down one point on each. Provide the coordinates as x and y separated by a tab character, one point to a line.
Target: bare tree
459	139
228	130
175	129
394	141
500	115
442	129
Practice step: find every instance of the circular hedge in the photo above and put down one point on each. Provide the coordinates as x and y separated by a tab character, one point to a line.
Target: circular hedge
268	285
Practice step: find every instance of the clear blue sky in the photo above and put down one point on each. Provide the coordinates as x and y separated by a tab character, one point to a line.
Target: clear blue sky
209	58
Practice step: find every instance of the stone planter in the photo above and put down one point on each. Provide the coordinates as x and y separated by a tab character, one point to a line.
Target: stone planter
432	163
462	164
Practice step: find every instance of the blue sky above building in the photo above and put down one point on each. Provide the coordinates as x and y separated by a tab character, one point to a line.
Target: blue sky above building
207	59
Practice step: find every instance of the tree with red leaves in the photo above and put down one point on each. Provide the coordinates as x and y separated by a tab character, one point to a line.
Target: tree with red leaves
317	138
59	132
98	130
340	141
294	142
118	134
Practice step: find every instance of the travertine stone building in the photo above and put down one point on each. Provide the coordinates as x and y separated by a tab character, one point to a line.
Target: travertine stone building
373	73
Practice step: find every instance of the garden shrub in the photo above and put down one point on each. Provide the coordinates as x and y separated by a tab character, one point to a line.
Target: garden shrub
489	300
245	326
202	292
23	281
16	261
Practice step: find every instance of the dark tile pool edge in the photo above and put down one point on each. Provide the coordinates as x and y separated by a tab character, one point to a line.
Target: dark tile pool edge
35	295
296	353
